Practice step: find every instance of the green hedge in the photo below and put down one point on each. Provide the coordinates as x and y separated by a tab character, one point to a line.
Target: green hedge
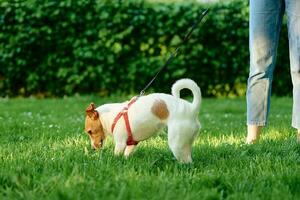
64	47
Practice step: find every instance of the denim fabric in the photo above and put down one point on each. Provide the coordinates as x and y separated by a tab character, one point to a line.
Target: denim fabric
264	28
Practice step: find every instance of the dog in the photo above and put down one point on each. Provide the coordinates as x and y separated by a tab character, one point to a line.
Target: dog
137	120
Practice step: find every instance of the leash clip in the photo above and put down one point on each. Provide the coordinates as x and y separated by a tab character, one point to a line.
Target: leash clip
125	110
142	93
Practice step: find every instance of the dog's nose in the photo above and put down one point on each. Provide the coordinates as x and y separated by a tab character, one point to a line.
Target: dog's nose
96	147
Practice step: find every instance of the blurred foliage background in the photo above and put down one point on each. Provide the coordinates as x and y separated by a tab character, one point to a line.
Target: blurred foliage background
64	47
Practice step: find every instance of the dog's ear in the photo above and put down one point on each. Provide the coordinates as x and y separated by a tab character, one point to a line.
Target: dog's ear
90	108
91	112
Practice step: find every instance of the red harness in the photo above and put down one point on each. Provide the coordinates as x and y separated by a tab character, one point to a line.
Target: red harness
124	113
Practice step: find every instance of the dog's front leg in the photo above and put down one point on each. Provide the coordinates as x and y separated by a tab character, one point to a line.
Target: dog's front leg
119	148
120	139
129	149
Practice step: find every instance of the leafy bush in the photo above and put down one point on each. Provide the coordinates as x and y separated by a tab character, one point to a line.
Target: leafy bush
64	47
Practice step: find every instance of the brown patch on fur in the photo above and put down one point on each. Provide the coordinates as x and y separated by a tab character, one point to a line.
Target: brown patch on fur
160	109
93	126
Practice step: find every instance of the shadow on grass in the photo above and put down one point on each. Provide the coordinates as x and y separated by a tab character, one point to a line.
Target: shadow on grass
224	155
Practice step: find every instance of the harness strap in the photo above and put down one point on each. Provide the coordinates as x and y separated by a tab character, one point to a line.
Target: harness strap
124	113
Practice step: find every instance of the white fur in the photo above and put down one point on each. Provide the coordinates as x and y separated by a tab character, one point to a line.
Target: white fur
182	122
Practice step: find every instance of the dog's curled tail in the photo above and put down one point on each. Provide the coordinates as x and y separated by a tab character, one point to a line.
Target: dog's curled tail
191	85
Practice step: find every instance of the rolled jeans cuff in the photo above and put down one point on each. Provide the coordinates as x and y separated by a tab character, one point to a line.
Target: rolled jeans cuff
253	123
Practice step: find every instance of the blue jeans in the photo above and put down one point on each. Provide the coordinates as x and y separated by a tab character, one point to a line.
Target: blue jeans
265	24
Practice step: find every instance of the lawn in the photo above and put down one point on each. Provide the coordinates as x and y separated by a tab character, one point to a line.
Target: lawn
44	154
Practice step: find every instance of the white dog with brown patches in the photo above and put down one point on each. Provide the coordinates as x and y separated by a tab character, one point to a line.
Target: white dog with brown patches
139	119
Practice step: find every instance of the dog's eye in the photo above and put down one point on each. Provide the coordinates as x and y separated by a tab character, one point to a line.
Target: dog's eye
89	132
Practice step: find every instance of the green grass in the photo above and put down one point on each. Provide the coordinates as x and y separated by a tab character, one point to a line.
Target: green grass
44	154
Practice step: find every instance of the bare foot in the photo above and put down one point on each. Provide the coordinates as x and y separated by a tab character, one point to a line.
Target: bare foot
253	134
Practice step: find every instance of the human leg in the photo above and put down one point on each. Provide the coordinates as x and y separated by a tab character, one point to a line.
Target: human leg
292	10
253	133
265	24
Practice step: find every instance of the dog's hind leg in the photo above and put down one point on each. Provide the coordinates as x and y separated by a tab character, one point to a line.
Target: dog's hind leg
180	139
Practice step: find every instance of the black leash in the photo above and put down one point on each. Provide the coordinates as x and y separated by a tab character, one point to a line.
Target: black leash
174	54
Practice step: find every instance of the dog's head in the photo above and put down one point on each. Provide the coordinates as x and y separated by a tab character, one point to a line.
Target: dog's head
93	127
